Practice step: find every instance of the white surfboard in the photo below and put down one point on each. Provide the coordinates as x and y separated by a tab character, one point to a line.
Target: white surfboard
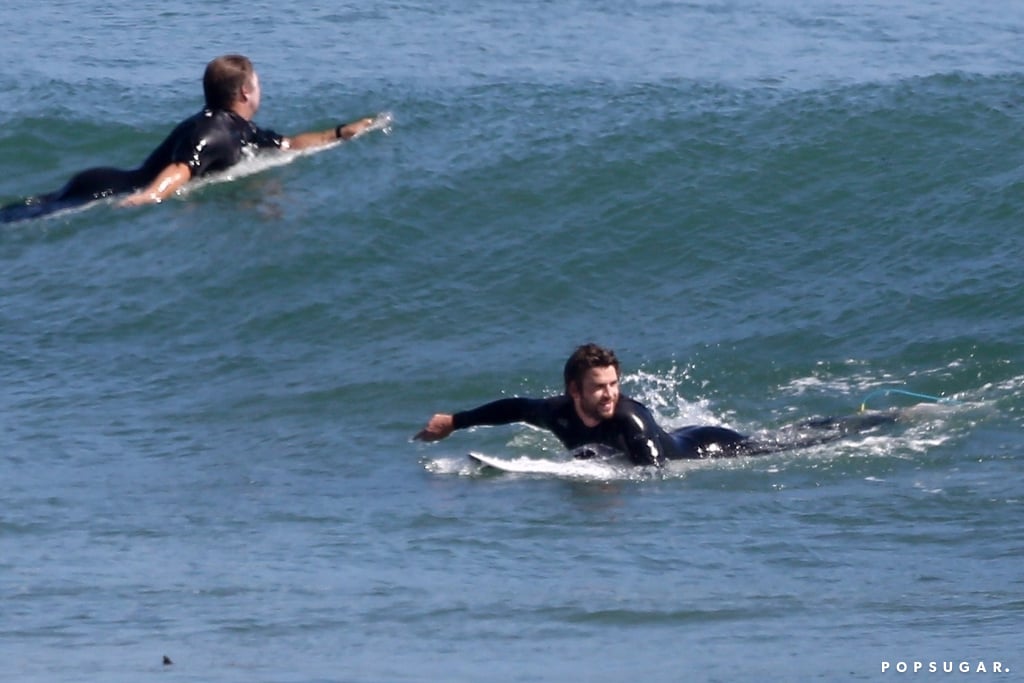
582	469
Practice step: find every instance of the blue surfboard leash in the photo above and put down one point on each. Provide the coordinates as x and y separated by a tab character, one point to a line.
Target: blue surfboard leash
903	392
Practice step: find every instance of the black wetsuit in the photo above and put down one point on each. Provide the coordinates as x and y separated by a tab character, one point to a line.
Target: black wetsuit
209	141
633	431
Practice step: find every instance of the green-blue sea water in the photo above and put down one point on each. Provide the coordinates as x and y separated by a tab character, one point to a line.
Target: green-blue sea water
771	210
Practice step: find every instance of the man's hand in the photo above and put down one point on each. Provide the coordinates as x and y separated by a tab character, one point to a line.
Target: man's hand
439	427
137	199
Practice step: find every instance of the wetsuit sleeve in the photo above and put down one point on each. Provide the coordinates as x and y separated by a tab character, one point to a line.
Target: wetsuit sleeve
641	436
504	411
267	139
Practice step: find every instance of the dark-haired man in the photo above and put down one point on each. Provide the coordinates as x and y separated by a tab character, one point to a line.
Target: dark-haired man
593	412
215	139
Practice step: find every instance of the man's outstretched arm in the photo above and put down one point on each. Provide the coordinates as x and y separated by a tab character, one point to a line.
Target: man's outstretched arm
500	412
330	136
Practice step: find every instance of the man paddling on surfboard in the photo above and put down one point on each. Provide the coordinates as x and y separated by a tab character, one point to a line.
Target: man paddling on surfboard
215	139
593	412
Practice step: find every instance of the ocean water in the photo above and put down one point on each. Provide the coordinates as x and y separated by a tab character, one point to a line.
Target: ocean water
770	209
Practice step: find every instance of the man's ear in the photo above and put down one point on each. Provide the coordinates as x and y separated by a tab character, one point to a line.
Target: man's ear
573	389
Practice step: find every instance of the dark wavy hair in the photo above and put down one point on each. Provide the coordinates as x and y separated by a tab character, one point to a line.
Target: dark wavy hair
224	78
586	357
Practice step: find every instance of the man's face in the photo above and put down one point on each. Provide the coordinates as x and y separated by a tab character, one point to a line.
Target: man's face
596	396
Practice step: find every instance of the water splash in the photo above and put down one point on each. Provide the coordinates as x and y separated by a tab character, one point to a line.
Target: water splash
382	122
663	393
